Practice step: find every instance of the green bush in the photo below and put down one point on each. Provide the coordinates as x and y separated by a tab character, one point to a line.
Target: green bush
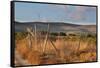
62	34
54	34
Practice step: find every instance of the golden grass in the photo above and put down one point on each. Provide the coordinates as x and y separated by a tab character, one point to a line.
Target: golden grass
68	51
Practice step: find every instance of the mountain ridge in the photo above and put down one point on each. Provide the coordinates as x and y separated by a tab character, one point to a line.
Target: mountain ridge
56	27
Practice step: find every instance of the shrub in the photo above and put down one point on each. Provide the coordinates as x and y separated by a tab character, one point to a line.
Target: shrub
62	34
20	35
54	34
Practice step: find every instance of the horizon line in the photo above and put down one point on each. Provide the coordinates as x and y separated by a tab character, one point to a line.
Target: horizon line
58	22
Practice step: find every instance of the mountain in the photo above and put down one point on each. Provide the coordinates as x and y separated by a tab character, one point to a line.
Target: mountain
55	27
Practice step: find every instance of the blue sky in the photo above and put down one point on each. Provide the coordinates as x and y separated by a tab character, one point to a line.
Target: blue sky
29	12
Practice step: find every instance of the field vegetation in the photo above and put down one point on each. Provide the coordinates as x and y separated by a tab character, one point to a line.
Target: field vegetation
59	48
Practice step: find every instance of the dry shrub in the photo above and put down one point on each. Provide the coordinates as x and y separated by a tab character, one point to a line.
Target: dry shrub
34	57
60	43
67	49
83	45
84	57
22	48
26	53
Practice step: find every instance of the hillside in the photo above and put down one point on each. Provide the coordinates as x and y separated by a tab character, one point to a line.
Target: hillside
55	27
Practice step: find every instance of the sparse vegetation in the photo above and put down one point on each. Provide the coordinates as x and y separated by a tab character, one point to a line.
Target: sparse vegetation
71	48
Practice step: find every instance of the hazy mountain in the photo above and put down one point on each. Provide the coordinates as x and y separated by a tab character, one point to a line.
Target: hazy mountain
55	27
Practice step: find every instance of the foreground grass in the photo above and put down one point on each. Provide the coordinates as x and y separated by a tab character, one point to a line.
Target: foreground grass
69	49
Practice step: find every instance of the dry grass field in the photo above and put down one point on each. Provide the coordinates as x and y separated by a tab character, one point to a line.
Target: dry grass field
58	49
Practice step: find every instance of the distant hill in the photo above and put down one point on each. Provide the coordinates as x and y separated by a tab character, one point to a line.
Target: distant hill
55	27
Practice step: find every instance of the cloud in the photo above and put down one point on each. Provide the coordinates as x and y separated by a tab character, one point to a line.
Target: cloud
79	12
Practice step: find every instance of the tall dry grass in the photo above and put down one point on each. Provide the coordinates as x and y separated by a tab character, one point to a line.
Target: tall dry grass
69	49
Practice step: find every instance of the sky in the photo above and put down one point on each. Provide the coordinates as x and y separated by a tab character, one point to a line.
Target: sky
30	12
